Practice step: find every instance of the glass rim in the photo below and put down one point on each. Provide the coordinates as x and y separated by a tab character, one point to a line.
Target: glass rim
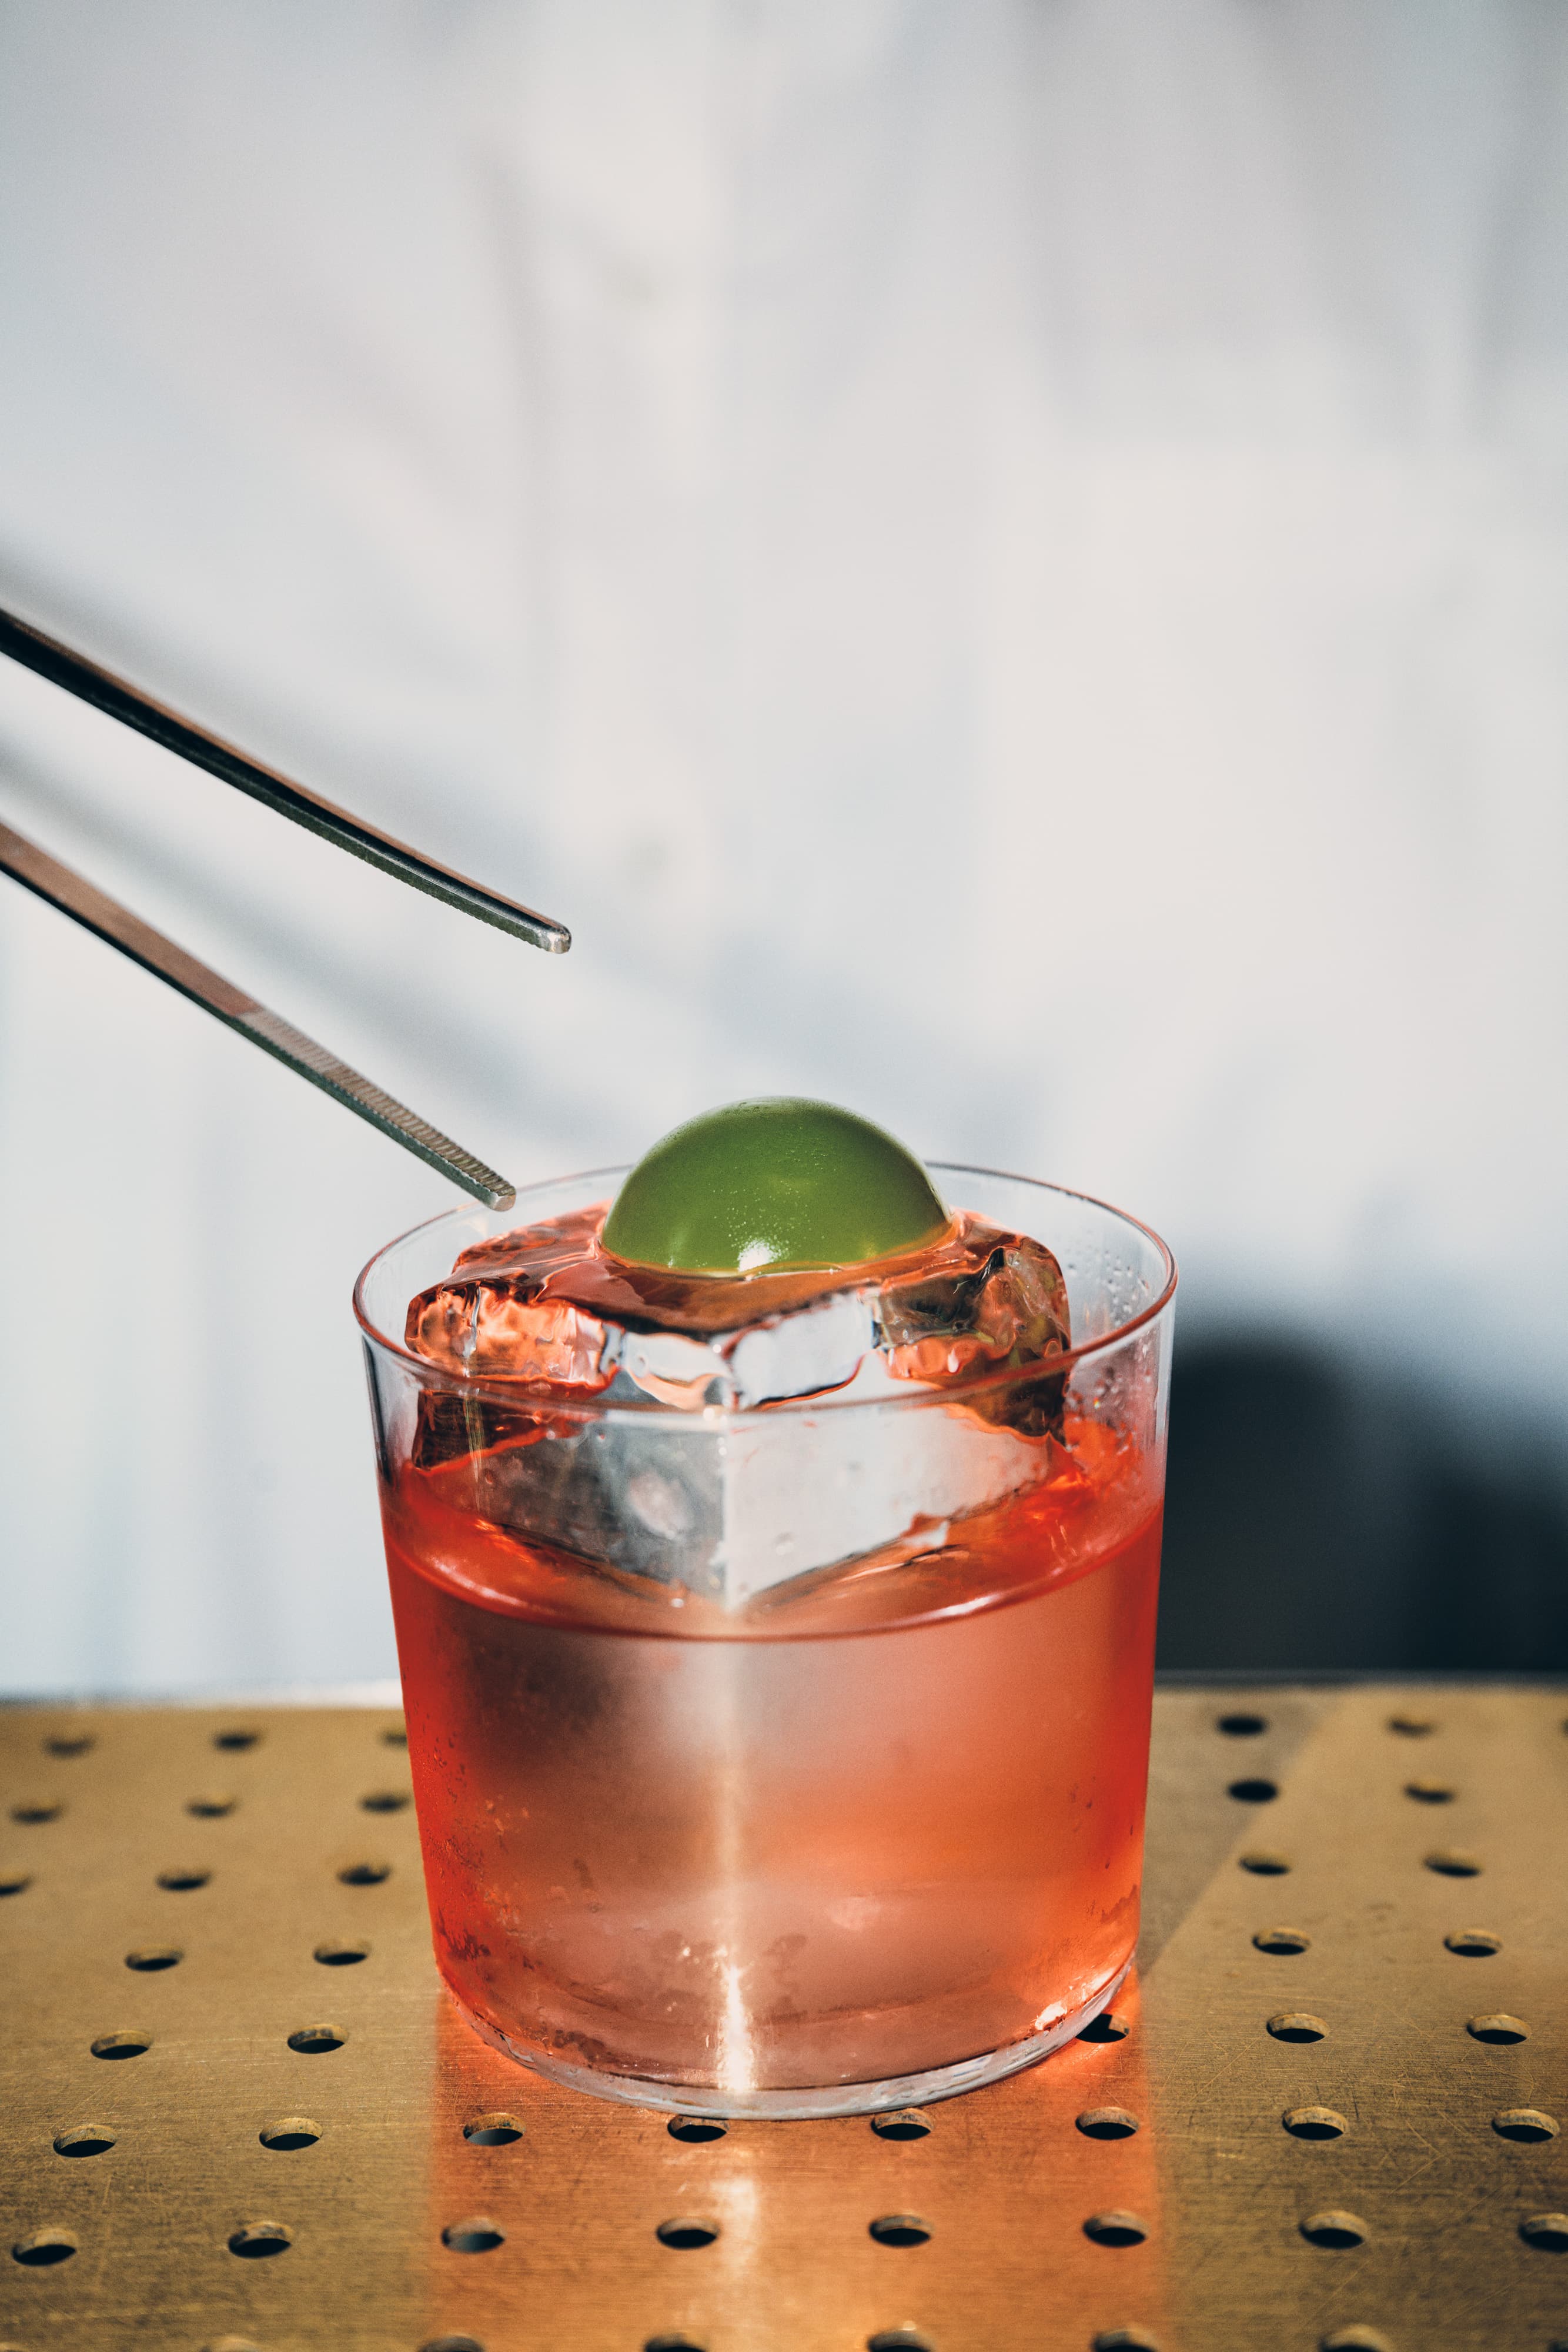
498	1389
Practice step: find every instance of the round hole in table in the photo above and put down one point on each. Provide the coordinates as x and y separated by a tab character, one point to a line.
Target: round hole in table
130	2045
1107	2123
899	2230
1242	1724
1473	1943
1297	2025
902	2123
1548	2233
1497	2026
1117	2229
475	2235
495	2128
257	2240
316	2040
41	2249
365	1874
687	2232
1334	2230
1531	2125
1314	2123
84	2139
695	2130
288	2134
151	1959
1282	1943
337	1953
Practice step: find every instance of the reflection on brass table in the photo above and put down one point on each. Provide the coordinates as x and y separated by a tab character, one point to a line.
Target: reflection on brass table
238	2112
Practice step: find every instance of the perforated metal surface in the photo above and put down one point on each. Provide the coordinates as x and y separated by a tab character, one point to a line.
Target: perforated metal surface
268	2147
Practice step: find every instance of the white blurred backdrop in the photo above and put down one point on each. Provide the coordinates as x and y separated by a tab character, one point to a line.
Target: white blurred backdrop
1003	562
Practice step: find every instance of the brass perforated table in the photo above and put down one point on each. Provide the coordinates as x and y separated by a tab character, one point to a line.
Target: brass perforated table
239	2112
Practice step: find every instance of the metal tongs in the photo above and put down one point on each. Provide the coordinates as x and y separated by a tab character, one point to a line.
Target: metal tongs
76	897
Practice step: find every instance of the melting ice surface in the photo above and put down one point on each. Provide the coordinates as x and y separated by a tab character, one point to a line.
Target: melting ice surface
731	1507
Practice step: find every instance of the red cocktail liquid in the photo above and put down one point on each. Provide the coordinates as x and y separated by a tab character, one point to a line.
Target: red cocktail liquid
885	1820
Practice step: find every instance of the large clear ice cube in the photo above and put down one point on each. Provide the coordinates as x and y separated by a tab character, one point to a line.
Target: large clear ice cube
731	1499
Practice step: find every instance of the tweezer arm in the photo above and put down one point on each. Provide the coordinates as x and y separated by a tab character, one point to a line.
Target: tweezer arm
127	703
77	897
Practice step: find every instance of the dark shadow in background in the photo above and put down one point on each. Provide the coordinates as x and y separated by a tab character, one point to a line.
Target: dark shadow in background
1323	1517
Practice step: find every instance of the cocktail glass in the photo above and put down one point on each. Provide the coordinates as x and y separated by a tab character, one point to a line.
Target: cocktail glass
873	1839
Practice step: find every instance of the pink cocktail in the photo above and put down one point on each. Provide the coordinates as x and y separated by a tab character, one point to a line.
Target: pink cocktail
725	1807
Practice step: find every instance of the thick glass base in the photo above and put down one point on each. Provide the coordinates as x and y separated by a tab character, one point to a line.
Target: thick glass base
794	2106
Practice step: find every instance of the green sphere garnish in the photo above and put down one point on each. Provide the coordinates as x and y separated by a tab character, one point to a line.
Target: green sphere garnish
776	1184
